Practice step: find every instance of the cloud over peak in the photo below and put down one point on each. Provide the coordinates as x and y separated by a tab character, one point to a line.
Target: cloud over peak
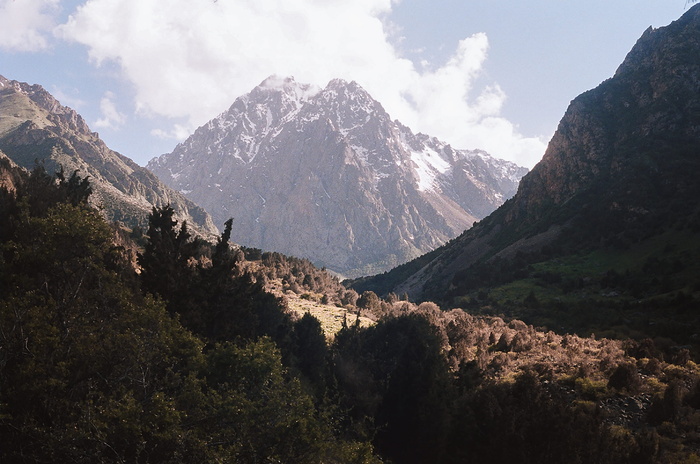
191	59
111	118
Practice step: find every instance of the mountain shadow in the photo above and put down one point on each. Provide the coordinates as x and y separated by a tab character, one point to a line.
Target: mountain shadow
603	233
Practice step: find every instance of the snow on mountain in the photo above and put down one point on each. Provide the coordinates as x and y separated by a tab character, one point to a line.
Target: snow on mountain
327	175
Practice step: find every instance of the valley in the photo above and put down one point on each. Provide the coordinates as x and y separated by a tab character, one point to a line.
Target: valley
492	315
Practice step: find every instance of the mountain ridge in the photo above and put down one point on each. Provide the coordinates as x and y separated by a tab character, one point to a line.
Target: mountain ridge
326	174
618	179
34	126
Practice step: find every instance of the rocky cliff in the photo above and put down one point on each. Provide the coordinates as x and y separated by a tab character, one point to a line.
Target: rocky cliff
34	126
326	174
620	171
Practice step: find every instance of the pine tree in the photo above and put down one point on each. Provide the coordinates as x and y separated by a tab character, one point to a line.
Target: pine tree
165	267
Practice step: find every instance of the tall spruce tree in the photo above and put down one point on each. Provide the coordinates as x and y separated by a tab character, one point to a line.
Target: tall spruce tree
165	267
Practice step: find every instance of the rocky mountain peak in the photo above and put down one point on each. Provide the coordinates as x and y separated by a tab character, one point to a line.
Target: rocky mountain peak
664	45
652	97
340	91
280	95
349	104
326	174
288	86
57	113
251	117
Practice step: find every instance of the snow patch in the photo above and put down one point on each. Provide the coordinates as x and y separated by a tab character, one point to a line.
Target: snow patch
361	152
428	165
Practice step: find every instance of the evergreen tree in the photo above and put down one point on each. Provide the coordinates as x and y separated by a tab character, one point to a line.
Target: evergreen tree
394	380
93	370
77	189
223	258
311	354
165	266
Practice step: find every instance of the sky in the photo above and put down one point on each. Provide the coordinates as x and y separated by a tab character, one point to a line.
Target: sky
477	74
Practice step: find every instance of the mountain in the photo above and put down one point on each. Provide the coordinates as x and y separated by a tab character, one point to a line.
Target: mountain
34	126
609	220
325	174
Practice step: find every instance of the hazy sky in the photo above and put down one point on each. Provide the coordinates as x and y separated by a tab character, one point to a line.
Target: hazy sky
474	73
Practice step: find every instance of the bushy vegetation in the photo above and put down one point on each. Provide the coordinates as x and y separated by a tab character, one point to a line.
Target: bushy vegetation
647	289
180	354
461	388
622	270
182	363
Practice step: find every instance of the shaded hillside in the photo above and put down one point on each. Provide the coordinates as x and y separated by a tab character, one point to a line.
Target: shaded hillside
101	364
325	174
191	360
35	127
616	194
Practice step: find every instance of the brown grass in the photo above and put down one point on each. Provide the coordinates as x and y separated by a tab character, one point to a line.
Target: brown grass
331	317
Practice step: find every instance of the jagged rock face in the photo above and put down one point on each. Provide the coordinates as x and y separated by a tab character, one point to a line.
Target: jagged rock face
625	131
35	126
326	174
625	158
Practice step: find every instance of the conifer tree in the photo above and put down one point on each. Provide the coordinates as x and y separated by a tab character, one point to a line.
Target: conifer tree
164	263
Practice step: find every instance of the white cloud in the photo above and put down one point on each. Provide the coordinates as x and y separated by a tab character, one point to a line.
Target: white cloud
177	132
25	24
191	58
111	117
68	99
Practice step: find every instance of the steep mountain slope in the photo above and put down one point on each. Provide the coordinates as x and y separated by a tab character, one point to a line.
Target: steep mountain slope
34	126
327	175
615	195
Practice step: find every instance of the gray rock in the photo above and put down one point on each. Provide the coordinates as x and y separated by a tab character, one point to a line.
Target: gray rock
325	174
